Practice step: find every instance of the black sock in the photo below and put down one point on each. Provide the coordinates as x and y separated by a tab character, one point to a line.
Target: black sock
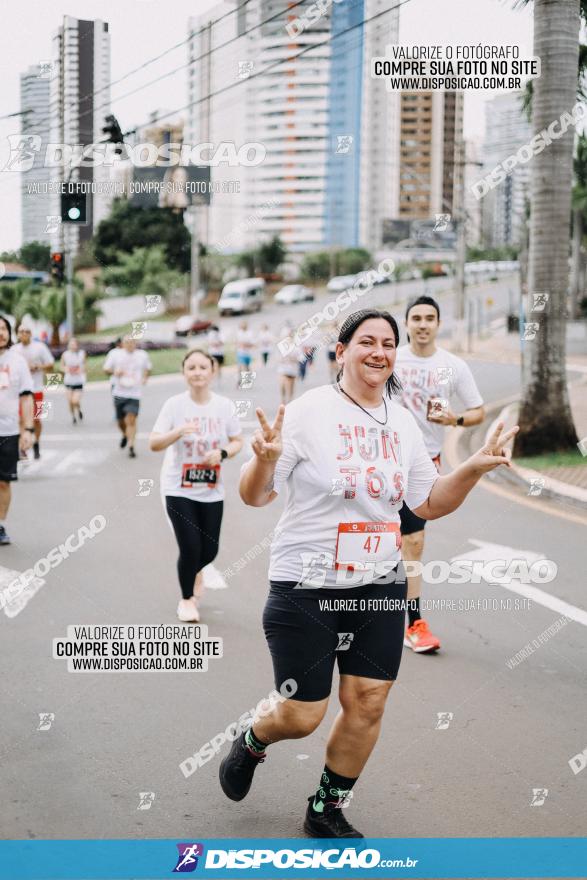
255	745
333	788
413	610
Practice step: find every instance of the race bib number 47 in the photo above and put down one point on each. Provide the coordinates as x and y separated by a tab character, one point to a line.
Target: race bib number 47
360	545
197	474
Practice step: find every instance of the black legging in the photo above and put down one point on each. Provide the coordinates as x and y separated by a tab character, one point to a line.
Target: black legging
197	529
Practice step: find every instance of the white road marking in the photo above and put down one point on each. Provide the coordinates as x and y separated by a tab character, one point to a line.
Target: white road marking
487	552
63	463
108	437
19	602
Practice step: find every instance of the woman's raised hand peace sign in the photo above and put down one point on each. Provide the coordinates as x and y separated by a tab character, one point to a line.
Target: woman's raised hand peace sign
494	452
266	441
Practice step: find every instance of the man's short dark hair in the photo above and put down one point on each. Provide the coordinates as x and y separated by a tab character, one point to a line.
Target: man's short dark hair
423	301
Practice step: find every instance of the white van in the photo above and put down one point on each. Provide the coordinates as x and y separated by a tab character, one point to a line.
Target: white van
242	296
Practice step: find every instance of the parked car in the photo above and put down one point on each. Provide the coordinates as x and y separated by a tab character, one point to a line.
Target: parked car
340	282
294	293
242	296
191	325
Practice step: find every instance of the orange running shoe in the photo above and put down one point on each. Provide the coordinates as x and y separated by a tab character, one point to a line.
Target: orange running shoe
419	638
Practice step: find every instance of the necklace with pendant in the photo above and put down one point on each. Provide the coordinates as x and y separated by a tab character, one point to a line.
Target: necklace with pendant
366	411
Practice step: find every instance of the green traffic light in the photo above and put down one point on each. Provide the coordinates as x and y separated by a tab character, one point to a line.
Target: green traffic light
74	213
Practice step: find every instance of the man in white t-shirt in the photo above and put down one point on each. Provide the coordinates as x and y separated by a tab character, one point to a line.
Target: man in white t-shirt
430	378
130	368
16	386
40	361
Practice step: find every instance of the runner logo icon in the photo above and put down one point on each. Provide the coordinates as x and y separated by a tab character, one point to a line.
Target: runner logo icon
187	860
539	796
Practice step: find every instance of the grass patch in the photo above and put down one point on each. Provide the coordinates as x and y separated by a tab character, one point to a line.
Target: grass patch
166	360
553	459
122	329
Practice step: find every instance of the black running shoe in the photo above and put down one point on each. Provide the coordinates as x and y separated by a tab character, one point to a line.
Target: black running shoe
4	538
330	823
36	450
131	452
237	769
123	442
80	414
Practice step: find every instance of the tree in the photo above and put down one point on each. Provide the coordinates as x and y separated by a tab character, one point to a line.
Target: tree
20	298
144	271
270	255
35	255
85	317
53	308
545	418
245	260
579	203
353	260
128	228
316	266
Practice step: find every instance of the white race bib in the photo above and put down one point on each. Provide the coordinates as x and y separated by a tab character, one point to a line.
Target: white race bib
360	545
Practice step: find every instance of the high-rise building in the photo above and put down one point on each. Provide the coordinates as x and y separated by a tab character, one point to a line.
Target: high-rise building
80	101
430	131
362	117
302	91
35	203
504	206
216	116
473	207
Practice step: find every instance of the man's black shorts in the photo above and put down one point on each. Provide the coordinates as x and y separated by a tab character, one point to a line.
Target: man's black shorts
9	458
124	405
307	633
409	522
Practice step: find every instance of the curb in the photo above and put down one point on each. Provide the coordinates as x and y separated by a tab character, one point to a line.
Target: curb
515	476
523	477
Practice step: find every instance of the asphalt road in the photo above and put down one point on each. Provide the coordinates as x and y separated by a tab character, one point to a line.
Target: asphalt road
115	736
492	300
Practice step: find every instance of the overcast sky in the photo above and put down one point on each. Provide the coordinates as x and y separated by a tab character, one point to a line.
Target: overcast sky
141	29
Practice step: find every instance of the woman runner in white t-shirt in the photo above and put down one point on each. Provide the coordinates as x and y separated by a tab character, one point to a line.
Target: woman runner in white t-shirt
199	430
348	457
73	367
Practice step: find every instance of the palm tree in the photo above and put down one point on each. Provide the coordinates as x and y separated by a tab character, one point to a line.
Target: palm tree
16	294
579	203
545	418
54	308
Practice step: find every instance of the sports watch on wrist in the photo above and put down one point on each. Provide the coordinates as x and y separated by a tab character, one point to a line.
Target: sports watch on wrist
32	430
223	454
461	420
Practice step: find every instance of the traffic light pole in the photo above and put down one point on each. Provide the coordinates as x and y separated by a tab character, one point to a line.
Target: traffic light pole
69	286
195	261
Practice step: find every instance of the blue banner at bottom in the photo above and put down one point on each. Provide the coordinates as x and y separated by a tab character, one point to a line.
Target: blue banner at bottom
524	857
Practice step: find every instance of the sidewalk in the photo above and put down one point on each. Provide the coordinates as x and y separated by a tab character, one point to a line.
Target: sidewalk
563	483
503	347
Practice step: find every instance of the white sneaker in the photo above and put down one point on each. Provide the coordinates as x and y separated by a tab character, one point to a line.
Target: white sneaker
213	579
190	616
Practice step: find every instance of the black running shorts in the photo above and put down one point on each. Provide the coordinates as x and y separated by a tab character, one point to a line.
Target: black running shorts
124	405
409	522
360	628
9	458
